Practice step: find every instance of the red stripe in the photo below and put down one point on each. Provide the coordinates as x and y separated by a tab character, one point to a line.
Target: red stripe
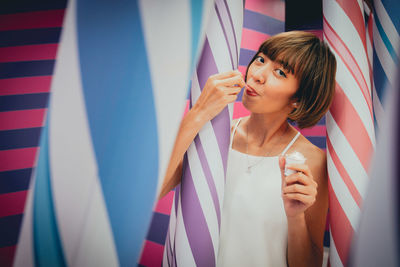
152	254
348	120
353	12
15	159
344	53
252	39
274	9
28	52
317	130
164	205
20	119
341	229
32	20
26	85
343	173
7	256
12	203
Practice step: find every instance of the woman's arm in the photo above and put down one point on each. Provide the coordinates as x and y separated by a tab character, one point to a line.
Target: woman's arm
219	90
306	210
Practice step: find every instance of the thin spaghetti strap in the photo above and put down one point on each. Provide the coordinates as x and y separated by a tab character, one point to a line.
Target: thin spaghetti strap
233	132
290	144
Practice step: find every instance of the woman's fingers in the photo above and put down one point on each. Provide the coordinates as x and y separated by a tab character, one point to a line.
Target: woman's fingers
300	189
236	80
300	168
305	199
300	177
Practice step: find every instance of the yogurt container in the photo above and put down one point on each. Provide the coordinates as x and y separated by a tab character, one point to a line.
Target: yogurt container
294	158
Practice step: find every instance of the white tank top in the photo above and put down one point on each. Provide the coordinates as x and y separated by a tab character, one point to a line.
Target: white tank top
253	222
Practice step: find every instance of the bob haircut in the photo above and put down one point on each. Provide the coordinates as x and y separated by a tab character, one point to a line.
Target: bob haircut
313	64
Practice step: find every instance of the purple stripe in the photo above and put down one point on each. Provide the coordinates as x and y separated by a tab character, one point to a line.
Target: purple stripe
226	37
220	123
209	177
195	224
233	31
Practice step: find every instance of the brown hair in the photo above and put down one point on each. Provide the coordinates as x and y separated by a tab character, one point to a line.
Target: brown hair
313	64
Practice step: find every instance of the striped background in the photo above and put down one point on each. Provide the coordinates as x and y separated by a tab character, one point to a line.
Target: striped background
262	19
29	35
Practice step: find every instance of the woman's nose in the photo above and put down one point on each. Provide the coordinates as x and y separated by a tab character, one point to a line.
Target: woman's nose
259	75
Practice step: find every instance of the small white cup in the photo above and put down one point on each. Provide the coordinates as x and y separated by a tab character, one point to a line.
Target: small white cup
294	158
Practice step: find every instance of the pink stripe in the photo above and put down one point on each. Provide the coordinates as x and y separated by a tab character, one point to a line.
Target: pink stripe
341	229
15	159
252	39
32	20
152	254
342	50
19	119
26	85
7	256
274	9
343	173
318	130
353	12
239	110
242	69
12	203
164	205
28	52
349	122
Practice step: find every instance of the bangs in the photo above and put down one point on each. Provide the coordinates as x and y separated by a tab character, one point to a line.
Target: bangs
296	56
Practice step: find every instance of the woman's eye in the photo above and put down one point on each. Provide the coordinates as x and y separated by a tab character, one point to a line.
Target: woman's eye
260	59
281	72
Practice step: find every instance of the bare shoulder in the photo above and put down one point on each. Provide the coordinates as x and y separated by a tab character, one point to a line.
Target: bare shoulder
315	157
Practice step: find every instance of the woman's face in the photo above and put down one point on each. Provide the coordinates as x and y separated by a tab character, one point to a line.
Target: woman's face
269	87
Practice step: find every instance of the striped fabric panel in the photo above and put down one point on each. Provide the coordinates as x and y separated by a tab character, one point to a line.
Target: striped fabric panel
29	35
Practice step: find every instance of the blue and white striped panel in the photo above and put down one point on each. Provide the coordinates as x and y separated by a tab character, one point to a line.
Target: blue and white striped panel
120	82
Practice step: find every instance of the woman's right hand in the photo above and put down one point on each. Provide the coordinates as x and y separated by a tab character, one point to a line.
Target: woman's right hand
219	90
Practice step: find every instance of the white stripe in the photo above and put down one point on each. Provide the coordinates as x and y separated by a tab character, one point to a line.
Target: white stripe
214	159
361	6
77	194
218	47
353	92
204	194
334	258
343	26
387	63
346	155
169	67
369	47
378	109
388	26
184	256
24	255
343	194
236	10
228	29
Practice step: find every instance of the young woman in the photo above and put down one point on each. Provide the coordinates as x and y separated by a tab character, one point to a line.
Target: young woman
269	219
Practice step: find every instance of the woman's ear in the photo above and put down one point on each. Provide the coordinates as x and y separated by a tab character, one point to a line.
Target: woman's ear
295	104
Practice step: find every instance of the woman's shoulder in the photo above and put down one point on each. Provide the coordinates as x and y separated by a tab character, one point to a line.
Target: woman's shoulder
235	121
316	157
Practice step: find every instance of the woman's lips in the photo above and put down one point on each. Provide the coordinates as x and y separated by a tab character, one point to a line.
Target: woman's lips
250	91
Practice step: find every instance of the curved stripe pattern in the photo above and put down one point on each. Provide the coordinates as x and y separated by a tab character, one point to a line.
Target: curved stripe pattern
114	87
198	202
350	122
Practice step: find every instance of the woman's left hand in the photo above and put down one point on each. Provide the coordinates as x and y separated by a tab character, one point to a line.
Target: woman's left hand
299	190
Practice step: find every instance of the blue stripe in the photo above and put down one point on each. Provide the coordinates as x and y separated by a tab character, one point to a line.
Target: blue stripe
14	6
21	102
245	56
393	9
21	138
262	23
121	114
380	77
26	68
16	180
30	37
9	230
158	228
319	141
47	245
386	41
196	9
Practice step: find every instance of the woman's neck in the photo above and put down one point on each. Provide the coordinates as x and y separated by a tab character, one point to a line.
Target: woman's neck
264	128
